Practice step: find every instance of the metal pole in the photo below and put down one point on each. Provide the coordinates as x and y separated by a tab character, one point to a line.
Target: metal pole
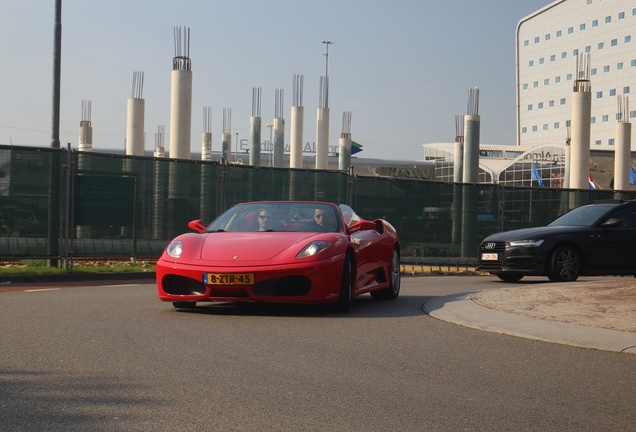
57	57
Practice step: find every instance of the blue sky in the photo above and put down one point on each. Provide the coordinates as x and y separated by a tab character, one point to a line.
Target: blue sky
402	68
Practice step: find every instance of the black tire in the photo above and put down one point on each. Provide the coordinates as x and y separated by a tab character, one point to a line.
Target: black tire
565	264
510	277
343	304
184	305
395	278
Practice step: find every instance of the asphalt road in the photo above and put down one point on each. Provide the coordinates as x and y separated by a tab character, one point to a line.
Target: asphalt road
115	358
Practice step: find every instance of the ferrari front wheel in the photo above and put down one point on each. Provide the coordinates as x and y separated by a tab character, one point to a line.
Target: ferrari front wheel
346	286
395	278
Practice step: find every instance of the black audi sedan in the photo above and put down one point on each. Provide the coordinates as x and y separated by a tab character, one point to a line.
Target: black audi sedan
596	239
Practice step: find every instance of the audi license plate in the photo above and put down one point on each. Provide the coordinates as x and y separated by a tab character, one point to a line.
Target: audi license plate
489	257
228	279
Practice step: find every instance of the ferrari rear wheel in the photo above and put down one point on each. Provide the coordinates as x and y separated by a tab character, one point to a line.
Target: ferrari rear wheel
343	304
395	278
184	305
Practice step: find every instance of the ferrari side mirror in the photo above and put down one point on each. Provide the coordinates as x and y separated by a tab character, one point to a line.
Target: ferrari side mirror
196	225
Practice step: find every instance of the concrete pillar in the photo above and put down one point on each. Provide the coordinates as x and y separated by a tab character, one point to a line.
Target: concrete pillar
471	149
458	162
180	114
279	143
580	142
322	138
344	152
255	141
622	156
135	127
296	137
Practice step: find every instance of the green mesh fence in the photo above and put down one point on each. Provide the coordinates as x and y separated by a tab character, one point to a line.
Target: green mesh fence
56	203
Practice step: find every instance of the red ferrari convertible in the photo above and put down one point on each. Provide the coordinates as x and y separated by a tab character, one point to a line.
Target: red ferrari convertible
282	251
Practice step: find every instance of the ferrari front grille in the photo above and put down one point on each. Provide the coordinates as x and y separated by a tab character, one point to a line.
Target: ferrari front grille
289	286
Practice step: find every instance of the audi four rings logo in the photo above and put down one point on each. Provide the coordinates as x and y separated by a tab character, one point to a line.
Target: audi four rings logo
489	246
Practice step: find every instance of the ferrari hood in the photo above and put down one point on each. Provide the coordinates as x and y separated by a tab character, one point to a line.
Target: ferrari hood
243	247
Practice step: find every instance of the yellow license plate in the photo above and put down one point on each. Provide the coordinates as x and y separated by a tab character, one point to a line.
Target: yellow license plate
228	278
489	257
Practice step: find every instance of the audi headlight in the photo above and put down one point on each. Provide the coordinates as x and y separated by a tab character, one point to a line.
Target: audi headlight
525	243
175	249
313	248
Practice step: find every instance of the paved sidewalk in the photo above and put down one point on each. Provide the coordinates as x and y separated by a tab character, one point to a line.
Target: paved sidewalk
463	310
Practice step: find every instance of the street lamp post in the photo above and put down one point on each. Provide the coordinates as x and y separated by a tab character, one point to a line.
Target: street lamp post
327	43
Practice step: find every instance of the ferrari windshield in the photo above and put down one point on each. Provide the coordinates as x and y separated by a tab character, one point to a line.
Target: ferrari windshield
277	216
582	216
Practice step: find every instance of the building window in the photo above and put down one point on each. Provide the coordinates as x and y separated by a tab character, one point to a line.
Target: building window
557	79
593	71
562	101
541	60
551	103
546	82
526	43
621	15
626	90
524	130
564	55
525	86
614	42
575	52
552	58
610	141
597	142
632	114
605	118
601	45
606	68
628	38
530	107
582	27
535	84
540	105
633	63
570	30
595	23
545	126
535	128
599	94
568	123
619	66
608	19
568	77
612	92
556	125
536	40
593	120
547	37
559	33
619	117
531	63
588	49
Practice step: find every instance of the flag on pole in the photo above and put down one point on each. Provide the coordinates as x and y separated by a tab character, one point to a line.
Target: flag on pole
632	175
355	147
536	176
591	180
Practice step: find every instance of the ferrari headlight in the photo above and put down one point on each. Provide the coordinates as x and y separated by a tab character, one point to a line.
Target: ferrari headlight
525	243
313	248
174	249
